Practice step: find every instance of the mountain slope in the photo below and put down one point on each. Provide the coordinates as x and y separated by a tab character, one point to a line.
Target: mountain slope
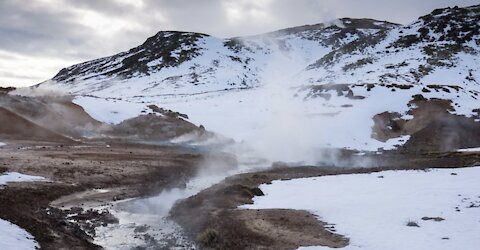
184	63
324	82
441	47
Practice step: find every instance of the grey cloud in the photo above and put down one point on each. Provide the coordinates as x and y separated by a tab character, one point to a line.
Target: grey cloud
404	12
36	29
108	7
53	28
19	76
200	16
211	16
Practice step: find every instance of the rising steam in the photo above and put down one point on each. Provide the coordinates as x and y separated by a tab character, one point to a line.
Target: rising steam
285	132
48	88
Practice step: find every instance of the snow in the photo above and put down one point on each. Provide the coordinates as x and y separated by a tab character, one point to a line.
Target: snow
263	117
265	114
2	144
17	177
14	237
111	111
469	150
394	142
372	209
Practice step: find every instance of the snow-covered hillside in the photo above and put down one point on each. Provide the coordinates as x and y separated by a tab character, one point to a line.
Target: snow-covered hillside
294	89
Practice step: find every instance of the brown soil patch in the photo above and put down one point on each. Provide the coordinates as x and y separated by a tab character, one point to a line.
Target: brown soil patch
126	170
16	127
290	228
432	128
55	113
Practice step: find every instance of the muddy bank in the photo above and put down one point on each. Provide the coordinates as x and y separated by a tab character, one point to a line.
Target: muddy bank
217	223
434	126
118	171
27	206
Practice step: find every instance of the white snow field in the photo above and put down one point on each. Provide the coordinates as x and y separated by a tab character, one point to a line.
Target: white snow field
14	237
277	124
372	210
2	144
111	111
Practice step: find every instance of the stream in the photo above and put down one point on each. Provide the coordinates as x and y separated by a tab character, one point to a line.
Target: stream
144	223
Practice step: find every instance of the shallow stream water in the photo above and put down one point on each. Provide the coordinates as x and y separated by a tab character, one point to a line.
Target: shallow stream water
144	223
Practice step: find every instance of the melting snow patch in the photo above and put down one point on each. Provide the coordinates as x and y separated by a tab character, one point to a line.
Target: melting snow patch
395	142
14	237
469	150
373	210
17	177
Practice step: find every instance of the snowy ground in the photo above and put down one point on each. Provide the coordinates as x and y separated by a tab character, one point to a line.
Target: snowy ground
17	177
11	235
2	144
14	237
372	210
269	119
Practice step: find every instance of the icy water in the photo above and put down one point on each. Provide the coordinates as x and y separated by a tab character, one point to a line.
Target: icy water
144	223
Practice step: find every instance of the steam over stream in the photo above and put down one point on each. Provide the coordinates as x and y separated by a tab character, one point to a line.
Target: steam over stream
144	222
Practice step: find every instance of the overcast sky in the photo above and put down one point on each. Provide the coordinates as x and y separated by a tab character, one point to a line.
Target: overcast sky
39	37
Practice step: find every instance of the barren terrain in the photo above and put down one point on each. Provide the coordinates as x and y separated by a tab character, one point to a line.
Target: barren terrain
125	170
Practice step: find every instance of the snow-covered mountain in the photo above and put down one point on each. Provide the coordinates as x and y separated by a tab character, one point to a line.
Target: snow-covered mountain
441	47
326	80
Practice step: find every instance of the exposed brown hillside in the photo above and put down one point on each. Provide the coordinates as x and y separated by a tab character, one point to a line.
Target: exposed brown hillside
16	127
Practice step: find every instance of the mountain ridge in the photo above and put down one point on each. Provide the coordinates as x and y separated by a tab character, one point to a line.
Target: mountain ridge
342	52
